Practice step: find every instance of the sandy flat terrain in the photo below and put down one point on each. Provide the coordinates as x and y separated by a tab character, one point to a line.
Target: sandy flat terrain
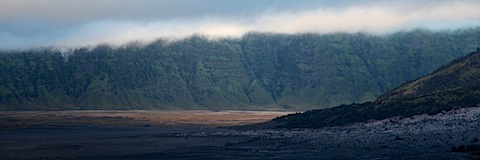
96	134
93	135
135	118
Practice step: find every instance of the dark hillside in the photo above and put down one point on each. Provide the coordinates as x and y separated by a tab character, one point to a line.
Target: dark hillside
455	85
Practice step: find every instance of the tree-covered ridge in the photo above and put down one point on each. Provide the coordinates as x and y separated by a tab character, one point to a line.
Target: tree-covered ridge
455	85
258	71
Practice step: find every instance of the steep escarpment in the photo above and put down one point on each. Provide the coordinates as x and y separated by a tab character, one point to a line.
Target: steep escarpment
258	71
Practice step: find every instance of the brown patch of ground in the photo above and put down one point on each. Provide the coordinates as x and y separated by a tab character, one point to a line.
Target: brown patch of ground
135	118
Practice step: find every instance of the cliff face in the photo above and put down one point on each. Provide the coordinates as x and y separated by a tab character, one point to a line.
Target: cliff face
259	71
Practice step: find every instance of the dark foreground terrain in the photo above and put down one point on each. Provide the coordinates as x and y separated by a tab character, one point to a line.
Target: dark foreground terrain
418	137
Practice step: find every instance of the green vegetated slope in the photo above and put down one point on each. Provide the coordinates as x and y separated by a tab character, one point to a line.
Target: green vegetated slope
455	85
258	71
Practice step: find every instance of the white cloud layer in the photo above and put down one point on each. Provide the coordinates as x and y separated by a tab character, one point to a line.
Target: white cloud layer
71	24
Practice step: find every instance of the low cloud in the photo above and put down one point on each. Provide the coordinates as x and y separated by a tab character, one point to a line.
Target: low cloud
140	22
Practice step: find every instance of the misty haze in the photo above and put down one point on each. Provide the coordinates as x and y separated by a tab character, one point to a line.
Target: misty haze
216	79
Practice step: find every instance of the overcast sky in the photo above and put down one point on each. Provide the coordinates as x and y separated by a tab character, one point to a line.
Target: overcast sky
86	23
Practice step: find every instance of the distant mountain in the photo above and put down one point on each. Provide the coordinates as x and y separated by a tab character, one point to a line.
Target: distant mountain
258	71
452	86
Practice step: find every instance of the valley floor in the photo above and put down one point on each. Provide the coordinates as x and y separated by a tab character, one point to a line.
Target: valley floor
132	118
418	137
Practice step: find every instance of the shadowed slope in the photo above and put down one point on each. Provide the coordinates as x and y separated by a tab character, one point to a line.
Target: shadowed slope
452	86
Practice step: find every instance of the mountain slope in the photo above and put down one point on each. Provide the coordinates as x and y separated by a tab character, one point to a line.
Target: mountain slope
452	86
258	71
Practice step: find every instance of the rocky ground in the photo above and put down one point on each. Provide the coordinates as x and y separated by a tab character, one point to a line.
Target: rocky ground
418	137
